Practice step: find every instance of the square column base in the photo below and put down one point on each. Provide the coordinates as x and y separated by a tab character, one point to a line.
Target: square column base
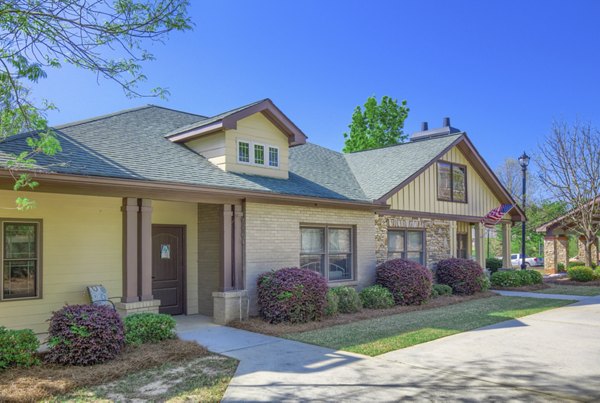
128	308
229	306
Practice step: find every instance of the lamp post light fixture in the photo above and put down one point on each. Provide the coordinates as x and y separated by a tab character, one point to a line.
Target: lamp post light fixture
523	161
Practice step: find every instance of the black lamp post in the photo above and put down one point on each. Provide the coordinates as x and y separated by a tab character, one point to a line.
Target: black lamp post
523	161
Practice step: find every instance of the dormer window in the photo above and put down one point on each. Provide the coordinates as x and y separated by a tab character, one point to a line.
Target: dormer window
258	154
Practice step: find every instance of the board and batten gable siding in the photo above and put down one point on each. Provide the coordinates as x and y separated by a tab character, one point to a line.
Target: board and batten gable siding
209	254
273	240
182	213
421	194
81	246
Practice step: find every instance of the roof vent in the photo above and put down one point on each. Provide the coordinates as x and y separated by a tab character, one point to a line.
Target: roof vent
426	133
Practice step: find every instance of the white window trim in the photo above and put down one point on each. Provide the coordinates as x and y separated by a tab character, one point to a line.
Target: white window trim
326	254
267	156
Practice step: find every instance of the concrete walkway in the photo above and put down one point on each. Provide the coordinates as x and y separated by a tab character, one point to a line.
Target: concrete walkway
551	356
540	295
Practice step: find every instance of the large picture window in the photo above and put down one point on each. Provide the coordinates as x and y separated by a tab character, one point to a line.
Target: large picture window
329	251
406	244
452	182
20	260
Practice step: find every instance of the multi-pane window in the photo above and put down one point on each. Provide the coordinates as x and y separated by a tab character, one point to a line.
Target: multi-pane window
243	151
273	156
20	260
452	182
327	250
258	154
406	244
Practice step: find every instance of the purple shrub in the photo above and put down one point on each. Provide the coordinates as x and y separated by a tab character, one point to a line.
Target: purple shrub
409	282
463	275
84	335
292	295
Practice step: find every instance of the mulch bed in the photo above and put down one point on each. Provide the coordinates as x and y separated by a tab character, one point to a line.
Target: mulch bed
258	325
566	281
47	380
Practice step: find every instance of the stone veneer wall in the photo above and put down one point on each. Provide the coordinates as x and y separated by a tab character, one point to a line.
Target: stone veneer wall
437	236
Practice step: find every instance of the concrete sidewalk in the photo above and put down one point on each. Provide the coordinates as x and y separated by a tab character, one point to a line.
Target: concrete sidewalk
540	295
551	356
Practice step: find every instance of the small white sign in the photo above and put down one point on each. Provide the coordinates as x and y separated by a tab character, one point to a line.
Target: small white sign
165	251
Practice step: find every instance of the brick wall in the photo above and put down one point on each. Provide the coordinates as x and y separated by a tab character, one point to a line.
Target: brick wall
209	245
273	239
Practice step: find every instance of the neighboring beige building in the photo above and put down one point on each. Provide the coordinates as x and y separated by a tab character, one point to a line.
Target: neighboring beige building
180	213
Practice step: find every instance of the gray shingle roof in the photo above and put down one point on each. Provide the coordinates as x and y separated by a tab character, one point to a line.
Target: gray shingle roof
381	170
131	145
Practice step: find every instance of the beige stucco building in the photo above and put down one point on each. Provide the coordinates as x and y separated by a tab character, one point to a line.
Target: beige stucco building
180	213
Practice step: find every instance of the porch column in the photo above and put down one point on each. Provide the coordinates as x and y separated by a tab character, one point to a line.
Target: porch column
562	250
238	244
506	235
130	250
479	252
550	264
226	248
145	250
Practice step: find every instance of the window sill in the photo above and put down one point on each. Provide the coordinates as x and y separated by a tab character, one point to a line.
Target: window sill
19	299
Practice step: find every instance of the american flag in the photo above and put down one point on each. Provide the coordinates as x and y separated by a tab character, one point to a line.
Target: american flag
496	215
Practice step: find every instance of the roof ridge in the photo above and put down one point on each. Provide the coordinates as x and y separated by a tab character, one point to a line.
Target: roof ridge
406	143
239	108
179	111
101	117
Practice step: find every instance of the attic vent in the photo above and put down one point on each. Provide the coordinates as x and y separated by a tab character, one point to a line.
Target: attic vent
427	133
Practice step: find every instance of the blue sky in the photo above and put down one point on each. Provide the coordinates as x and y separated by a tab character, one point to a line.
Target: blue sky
502	70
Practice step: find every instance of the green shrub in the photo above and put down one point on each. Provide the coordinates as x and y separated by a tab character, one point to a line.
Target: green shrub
333	303
493	264
561	268
349	301
18	348
575	263
597	274
148	327
376	297
508	278
535	276
484	283
580	273
439	290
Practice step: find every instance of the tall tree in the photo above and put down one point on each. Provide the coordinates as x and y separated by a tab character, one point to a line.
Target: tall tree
569	167
106	37
510	175
378	125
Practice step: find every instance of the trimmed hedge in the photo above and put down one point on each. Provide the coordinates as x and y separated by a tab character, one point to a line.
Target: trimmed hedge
84	335
376	297
493	264
463	275
516	278
561	268
575	263
580	273
291	295
148	327
439	290
333	303
18	348
349	301
409	282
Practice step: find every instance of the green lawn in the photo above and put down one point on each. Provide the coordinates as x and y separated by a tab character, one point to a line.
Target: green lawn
377	336
571	290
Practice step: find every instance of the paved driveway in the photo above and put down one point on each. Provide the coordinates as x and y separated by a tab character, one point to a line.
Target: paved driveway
551	356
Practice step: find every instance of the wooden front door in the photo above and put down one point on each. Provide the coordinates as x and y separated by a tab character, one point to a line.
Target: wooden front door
168	267
461	245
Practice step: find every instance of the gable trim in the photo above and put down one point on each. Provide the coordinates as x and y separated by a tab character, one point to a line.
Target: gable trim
266	107
480	166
